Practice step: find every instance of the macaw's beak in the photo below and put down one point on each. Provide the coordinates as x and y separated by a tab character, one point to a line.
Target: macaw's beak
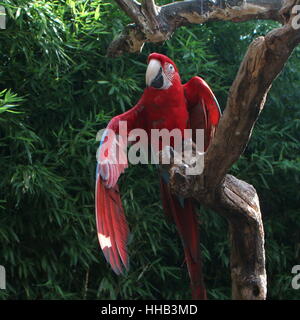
154	76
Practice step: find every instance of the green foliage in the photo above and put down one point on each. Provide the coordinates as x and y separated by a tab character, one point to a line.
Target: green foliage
7	98
53	56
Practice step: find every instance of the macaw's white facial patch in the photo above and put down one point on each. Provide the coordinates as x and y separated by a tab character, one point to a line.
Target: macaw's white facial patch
167	82
104	241
169	71
168	74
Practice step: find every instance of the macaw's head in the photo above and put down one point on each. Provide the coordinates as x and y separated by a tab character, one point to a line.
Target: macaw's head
162	73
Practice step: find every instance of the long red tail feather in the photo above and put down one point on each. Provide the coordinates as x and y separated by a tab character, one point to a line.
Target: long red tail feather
187	225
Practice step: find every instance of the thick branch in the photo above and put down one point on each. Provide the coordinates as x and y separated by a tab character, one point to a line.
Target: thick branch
157	24
263	62
238	202
132	8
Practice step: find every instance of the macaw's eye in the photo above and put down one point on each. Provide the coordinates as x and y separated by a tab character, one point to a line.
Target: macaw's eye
170	68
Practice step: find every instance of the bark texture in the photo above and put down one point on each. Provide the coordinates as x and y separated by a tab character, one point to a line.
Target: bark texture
154	23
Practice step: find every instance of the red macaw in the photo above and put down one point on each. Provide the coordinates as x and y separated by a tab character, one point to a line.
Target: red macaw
165	103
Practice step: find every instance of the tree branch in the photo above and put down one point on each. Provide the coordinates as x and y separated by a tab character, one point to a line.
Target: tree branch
132	8
262	63
238	202
157	24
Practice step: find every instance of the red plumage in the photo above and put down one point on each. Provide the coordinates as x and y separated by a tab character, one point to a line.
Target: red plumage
165	104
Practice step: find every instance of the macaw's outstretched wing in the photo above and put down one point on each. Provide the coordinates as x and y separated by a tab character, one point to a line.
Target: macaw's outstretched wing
111	162
203	108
